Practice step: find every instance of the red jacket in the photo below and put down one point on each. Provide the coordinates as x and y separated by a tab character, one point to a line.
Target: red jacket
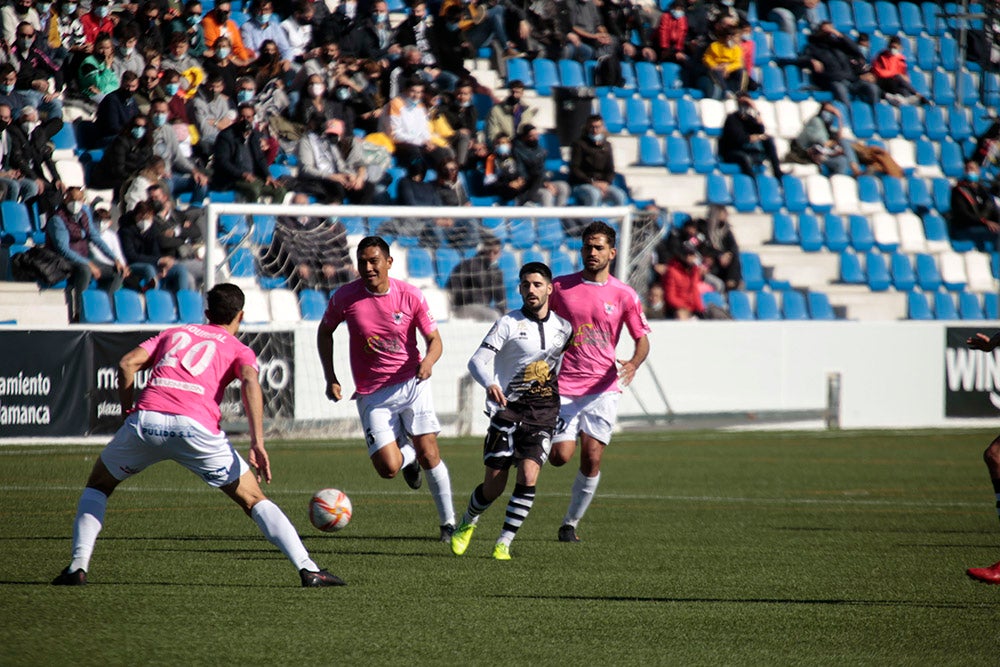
671	34
888	65
681	287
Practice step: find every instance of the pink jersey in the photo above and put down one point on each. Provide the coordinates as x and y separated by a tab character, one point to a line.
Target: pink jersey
383	330
597	312
192	365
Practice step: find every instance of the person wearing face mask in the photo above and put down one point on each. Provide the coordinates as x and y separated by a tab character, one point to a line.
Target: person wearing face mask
33	136
462	116
299	30
502	173
218	23
141	247
34	69
117	108
109	234
260	28
178	232
511	115
96	75
127	153
9	94
15	12
18	176
135	188
893	77
540	188
592	169
212	112
671	34
72	37
71	232
223	66
269	66
837	66
975	215
462	233
372	36
97	21
746	142
407	123
127	57
822	143
183	173
723	61
239	163
189	25
178	59
323	172
314	101
476	284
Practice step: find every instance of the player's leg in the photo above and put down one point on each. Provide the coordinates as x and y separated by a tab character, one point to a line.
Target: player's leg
494	482
564	438
420	419
596	425
518	507
388	449
991	574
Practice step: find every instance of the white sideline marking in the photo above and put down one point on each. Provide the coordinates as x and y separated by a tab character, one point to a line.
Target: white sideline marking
610	496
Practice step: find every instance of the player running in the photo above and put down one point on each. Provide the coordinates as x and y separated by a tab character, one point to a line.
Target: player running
597	305
991	574
394	400
177	417
517	364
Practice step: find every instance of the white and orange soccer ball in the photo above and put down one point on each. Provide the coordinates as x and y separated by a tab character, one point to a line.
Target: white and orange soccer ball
330	510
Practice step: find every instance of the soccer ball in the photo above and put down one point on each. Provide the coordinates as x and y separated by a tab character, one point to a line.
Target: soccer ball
330	510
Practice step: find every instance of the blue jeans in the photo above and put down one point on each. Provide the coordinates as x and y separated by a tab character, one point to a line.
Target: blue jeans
19	189
185	183
866	91
581	53
51	109
177	278
491	26
590	195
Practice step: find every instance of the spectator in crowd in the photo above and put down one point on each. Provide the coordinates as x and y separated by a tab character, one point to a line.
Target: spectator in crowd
128	58
671	34
72	35
189	25
464	232
97	74
592	168
149	89
35	135
690	232
837	65
34	69
9	94
127	153
141	247
413	190
323	170
723	60
71	232
117	109
182	173
97	21
260	28
136	188
178	232
787	13
476	284
311	252
371	36
212	111
821	142
683	285
315	101
974	212
411	65
893	77
540	188
480	25
463	118
218	23
508	116
581	38
502	173
149	23
102	221
299	30
239	164
655	307
20	181
721	249
179	60
417	30
222	65
746	142
407	122
13	14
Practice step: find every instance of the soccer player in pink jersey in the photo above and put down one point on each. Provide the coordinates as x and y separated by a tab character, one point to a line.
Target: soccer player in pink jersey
598	305
991	573
177	417
394	400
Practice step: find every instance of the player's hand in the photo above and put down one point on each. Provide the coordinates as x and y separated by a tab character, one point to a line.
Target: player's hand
626	373
495	394
260	463
424	370
333	391
980	342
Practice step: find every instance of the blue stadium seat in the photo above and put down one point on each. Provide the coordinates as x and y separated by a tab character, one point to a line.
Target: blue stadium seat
739	305
864	17
190	306
714	299
933	23
819	306
161	307
944	306
948	49
662	115
841	16
561	263
773	83
893	194
688	118
263	229
783	47
241	263
648	79
717	190
522	233
969	307
762	48
614	120
673	82
886	121
910	123
651	152
919	82
312	304
65	138
629	83
835	233
869	191
928	276
910	19
991	89
959	127
943	90
15	221
862	239
744	194
810	234
767	306
769	193
991	305
128	307
926	53
783	230
793	305
917	307
571	73
877	272
903	277
798	88
231	225
419	263
550	142
935	228
96	307
889	21
636	115
919	195
982	119
851	272
550	233
519	69
546	75
926	156
966	89
445	260
796	199
753	271
703	155
678	155
862	120
941	189
532	255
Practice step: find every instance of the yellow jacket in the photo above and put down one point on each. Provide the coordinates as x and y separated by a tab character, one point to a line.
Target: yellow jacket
721	54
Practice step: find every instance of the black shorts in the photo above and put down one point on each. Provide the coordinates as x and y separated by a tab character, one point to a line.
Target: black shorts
508	442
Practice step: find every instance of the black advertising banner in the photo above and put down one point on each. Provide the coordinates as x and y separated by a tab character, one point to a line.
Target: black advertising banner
43	387
972	377
108	349
275	352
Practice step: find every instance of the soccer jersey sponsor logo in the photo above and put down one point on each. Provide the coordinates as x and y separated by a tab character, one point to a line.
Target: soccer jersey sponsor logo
588	334
177	384
377	344
218	473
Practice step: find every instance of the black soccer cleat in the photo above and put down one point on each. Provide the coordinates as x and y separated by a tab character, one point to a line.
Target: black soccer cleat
67	578
567	533
411	474
446	531
319	579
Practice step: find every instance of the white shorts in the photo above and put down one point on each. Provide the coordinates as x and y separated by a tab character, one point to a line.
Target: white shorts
594	415
150	437
394	413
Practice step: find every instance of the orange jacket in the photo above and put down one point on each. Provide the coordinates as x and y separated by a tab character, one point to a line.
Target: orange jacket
889	65
213	31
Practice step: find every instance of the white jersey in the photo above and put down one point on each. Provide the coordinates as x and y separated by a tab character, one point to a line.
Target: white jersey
526	354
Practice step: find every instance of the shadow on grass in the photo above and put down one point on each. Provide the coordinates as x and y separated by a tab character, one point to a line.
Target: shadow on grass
190	584
912	604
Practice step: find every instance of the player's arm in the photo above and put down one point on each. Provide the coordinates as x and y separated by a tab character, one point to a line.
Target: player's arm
128	366
324	345
630	366
481	370
434	349
253	405
983	342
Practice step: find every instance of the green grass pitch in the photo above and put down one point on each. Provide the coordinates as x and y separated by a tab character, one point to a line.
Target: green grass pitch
701	548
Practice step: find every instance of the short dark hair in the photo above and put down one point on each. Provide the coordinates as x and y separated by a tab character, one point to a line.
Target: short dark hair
600	227
225	300
373	241
535	267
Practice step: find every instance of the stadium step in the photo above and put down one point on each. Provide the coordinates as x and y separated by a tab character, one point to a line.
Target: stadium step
802	269
861	303
29	306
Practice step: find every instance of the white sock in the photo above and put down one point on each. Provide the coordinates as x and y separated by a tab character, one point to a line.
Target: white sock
408	452
439	482
86	527
582	493
280	532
